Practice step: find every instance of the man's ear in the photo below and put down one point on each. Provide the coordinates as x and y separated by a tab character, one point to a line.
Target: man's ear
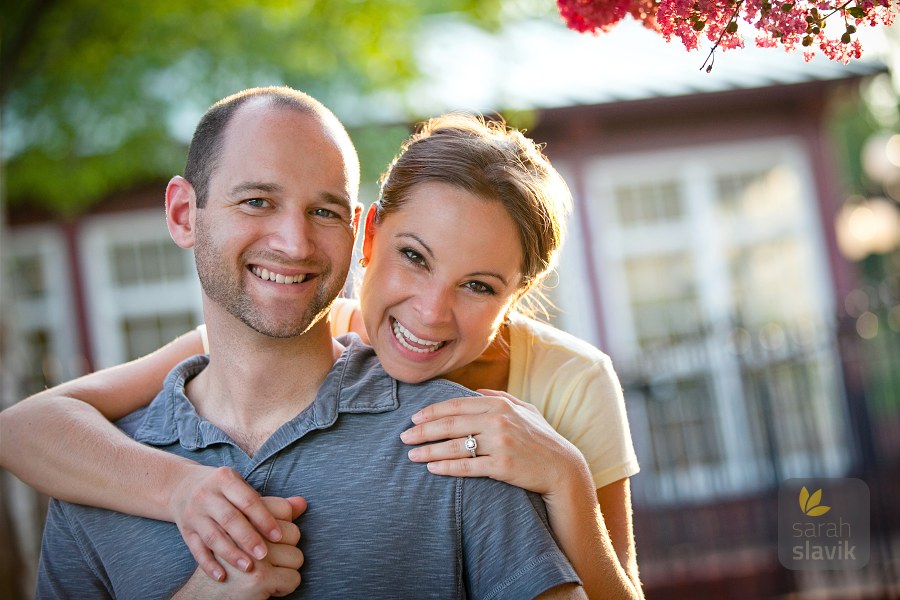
369	233
181	211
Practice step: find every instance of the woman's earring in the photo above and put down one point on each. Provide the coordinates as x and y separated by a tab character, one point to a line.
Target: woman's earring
364	262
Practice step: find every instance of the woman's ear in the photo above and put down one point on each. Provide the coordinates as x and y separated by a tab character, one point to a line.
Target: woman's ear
369	233
354	223
181	209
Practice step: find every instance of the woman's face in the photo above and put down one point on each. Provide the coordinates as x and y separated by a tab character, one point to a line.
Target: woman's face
443	270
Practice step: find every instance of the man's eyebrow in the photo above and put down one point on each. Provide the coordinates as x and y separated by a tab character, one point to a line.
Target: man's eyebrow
255	186
341	201
274	188
430	252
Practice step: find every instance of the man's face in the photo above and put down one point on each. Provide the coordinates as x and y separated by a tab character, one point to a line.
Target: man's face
274	240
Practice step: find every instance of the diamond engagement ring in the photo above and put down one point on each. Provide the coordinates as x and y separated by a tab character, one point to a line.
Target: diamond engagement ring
471	445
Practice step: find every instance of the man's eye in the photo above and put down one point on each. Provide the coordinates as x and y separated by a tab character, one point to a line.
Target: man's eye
324	212
256	202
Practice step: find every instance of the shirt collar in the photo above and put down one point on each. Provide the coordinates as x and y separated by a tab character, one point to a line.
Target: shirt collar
357	383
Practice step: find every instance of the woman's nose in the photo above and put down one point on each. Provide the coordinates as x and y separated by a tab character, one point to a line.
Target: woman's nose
435	305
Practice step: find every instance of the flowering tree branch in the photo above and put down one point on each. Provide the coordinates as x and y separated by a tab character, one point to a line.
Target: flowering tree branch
787	23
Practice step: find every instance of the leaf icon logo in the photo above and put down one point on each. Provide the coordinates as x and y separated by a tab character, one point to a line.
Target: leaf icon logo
809	503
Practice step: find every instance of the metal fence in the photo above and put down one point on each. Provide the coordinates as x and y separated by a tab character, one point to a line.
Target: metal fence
721	421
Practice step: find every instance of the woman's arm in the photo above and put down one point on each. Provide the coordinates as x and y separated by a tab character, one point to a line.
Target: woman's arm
517	445
597	536
66	447
49	439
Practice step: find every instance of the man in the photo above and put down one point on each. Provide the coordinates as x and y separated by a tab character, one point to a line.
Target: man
268	204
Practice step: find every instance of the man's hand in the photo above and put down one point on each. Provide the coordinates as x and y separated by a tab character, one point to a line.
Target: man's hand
275	575
220	516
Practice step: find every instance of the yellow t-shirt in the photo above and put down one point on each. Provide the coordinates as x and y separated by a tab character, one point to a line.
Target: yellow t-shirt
569	381
341	313
574	386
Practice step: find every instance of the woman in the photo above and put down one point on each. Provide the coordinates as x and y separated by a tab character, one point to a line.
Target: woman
461	192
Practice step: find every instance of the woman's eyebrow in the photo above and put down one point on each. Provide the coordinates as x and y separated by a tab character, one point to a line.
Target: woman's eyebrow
489	274
418	239
430	252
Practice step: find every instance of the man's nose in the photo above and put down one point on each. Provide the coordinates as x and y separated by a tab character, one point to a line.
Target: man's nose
294	236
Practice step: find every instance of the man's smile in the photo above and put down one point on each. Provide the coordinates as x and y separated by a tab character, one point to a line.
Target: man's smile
267	275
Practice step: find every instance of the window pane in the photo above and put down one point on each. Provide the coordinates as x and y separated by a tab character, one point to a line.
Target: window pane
149	262
147	333
683	426
646	204
663	297
27	274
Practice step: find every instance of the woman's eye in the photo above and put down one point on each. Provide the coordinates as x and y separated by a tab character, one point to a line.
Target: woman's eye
413	256
480	288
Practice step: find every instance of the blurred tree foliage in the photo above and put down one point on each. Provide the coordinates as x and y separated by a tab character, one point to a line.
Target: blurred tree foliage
98	96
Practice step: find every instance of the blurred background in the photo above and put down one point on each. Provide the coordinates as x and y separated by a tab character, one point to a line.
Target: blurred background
735	244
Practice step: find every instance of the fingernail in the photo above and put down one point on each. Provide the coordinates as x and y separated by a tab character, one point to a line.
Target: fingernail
218	575
417	418
259	552
405	436
274	535
244	565
414	454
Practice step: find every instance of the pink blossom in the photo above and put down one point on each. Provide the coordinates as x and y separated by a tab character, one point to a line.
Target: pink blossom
786	23
592	16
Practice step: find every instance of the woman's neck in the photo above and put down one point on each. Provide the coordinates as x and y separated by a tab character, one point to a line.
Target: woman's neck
488	371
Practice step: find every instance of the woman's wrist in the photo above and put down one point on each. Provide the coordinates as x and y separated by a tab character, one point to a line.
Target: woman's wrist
575	488
177	483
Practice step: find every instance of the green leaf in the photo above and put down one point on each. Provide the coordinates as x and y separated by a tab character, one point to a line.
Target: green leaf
97	96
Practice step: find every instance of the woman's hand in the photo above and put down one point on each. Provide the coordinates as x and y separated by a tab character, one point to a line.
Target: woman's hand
220	515
515	443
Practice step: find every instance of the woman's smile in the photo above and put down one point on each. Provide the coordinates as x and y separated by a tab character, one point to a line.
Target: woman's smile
412	342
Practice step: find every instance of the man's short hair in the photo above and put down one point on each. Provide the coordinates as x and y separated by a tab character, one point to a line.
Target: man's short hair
208	141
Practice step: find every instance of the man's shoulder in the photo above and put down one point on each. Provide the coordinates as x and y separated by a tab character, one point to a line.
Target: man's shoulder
508	548
494	493
362	370
416	396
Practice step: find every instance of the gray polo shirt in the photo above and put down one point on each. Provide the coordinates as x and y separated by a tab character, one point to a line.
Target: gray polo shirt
378	525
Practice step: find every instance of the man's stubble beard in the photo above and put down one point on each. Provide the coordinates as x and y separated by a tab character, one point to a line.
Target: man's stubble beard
227	289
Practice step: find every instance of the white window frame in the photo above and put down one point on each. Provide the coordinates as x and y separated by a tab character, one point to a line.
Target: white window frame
55	311
696	170
108	303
